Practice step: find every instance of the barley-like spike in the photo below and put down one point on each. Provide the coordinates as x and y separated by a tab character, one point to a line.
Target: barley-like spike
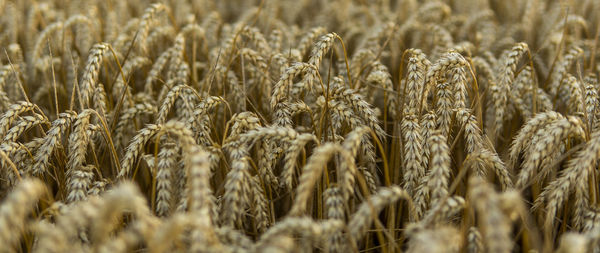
98	187
575	100
235	188
79	140
334	205
311	172
505	80
282	87
157	67
474	241
90	75
574	177
320	48
483	160
439	167
52	139
199	189
444	108
307	40
591	102
186	93
413	150
291	157
79	183
167	160
146	21
495	226
23	125
12	113
544	143
306	227
131	114
381	77
42	42
417	68
428	123
80	176
521	90
258	39
521	140
136	147
436	73
259	205
360	107
120	86
234	239
443	211
436	240
562	67
361	220
15	210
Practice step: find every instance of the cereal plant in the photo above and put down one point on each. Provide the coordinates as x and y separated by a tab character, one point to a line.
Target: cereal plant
299	126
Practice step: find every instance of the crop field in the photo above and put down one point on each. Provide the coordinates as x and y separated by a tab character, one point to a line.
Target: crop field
299	126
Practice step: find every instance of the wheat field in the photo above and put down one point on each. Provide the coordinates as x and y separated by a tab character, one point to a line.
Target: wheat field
299	126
